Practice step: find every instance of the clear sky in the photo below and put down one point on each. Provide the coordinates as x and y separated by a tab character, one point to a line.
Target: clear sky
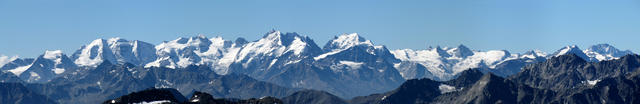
29	27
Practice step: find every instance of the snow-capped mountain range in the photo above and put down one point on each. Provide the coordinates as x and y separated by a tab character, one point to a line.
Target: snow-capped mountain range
342	66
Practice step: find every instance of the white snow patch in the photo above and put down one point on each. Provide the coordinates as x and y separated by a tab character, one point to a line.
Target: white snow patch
195	100
17	71
326	54
292	62
58	70
155	102
273	62
297	46
52	54
592	82
351	64
345	41
6	59
34	76
446	88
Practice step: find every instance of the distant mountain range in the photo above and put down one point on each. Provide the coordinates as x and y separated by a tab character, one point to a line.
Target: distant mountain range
280	64
566	79
554	82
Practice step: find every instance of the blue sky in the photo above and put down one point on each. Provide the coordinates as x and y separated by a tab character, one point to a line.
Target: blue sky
29	27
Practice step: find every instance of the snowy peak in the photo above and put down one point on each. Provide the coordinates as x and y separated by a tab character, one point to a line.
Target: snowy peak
441	52
52	54
6	59
183	52
285	39
44	68
605	52
199	43
573	49
93	54
275	44
462	51
115	50
345	41
603	48
54	61
533	54
567	49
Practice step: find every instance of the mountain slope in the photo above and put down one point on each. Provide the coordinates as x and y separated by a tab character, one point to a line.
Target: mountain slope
444	63
567	71
44	68
603	52
16	93
109	81
312	97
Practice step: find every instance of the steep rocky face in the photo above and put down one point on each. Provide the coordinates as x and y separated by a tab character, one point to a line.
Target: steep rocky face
609	90
353	63
44	68
567	71
109	81
16	93
414	91
312	97
466	78
563	79
471	86
418	91
8	77
17	63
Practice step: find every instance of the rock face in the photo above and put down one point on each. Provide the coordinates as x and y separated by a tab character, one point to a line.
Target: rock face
609	90
50	65
110	81
567	71
563	79
312	97
16	93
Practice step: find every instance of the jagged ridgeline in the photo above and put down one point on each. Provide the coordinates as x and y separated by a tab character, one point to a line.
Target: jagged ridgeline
618	81
283	64
559	80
